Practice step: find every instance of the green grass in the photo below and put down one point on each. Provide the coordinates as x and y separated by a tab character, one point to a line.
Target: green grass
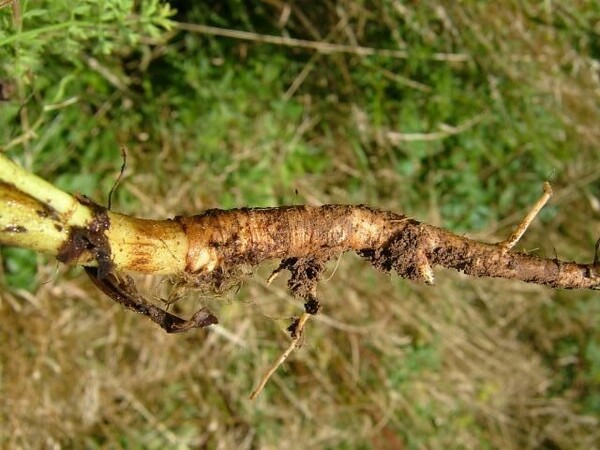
212	122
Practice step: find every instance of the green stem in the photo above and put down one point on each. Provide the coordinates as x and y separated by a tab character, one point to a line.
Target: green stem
34	213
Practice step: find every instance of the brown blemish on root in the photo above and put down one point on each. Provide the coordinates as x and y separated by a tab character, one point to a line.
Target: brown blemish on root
485	260
48	212
312	305
14	229
11	194
93	242
293	328
304	275
148	246
304	237
89	242
221	245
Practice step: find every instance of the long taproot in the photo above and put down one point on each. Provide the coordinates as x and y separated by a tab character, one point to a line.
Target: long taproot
227	238
37	215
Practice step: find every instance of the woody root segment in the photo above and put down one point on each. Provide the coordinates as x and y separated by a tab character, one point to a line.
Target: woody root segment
209	249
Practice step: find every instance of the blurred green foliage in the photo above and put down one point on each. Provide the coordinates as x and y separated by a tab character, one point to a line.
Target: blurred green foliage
20	267
221	101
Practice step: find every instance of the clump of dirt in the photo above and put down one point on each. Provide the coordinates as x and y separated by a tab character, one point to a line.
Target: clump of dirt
406	252
304	276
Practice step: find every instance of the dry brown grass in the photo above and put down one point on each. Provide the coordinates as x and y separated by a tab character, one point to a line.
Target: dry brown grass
78	369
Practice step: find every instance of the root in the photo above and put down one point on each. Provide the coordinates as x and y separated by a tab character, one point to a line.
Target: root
212	250
221	240
522	227
123	291
297	335
209	248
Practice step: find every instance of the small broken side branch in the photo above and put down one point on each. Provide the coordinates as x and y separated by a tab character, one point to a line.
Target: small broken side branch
122	290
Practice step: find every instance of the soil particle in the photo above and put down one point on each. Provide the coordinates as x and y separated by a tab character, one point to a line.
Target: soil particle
293	328
312	305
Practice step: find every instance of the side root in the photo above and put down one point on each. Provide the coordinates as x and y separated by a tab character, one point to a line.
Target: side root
123	291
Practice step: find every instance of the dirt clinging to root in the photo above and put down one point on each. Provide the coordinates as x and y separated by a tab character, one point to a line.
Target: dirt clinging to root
225	245
304	238
304	276
407	252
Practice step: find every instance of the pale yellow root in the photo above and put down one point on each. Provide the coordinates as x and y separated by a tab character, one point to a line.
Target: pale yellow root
287	352
522	227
